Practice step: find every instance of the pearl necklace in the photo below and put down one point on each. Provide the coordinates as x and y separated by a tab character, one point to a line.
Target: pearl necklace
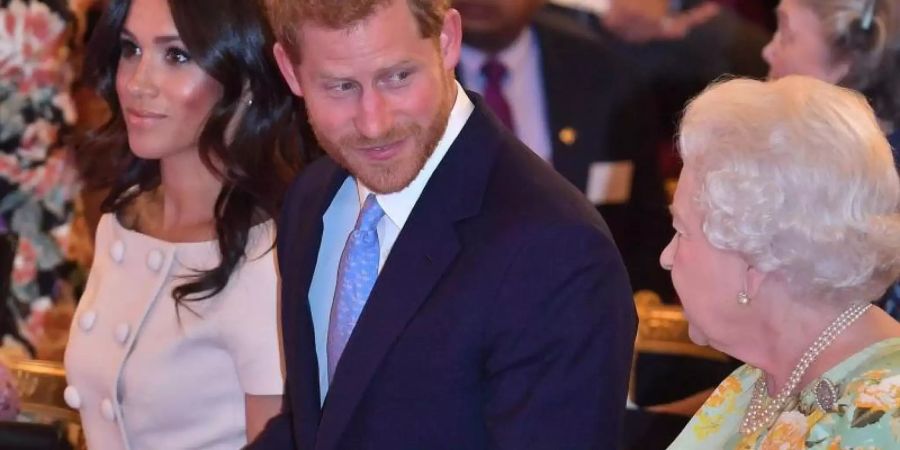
762	411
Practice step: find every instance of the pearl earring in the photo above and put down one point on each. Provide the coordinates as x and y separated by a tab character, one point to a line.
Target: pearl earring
743	298
249	102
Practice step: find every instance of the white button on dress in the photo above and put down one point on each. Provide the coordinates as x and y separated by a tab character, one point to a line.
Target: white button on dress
87	320
72	397
107	410
122	332
155	260
117	251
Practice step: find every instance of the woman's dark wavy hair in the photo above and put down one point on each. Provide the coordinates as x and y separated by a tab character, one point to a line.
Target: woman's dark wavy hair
232	42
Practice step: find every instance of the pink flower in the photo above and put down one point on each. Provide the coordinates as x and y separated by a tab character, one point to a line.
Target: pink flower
37	24
32	40
9	167
25	262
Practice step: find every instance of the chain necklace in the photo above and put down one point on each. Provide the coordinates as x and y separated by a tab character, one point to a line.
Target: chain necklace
762	410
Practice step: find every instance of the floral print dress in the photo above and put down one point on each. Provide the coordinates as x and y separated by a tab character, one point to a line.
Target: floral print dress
866	414
37	180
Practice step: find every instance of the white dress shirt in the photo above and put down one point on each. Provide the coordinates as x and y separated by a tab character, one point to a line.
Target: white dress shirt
523	88
340	218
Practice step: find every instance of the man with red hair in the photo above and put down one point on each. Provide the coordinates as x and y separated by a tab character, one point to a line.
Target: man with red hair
442	286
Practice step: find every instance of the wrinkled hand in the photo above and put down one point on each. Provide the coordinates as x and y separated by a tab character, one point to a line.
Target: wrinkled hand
637	25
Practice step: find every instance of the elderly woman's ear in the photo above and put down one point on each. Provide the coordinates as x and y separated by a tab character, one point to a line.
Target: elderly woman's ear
753	282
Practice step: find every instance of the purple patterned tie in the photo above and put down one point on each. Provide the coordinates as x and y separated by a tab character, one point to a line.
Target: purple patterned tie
494	72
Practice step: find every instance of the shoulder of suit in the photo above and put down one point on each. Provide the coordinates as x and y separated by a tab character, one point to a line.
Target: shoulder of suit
532	189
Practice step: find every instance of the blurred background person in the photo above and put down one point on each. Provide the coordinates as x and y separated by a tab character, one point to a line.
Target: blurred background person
175	341
580	107
852	43
786	228
680	46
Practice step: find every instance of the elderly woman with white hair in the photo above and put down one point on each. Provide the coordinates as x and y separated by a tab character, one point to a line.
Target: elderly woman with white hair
787	227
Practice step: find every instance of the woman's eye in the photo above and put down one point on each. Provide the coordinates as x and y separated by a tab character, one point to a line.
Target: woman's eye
177	56
128	49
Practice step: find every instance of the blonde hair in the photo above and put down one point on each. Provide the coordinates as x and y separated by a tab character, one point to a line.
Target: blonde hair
286	16
797	177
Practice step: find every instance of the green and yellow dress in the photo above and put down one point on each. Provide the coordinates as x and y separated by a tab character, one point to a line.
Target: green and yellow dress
866	414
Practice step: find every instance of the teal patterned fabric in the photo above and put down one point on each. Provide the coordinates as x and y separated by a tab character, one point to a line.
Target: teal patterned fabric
865	416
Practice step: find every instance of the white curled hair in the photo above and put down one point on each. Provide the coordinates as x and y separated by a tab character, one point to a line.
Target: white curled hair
797	177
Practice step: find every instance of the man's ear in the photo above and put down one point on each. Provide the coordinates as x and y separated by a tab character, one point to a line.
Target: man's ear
451	39
288	69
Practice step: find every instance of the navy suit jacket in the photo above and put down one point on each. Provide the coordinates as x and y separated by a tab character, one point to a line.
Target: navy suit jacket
502	318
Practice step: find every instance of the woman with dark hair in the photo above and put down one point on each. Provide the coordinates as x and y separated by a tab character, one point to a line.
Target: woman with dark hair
175	341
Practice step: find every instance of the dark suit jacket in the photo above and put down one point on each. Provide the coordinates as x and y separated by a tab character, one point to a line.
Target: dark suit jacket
502	319
599	110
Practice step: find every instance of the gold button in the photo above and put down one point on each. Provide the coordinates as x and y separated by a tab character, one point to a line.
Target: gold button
568	135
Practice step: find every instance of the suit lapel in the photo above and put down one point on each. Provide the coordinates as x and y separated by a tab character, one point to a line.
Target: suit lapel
302	250
425	248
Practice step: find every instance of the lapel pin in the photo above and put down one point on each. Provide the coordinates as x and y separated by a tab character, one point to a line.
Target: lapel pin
568	135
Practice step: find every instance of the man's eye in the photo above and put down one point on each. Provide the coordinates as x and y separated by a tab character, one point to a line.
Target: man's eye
343	86
400	76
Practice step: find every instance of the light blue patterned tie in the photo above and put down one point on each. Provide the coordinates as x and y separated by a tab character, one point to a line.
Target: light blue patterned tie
357	272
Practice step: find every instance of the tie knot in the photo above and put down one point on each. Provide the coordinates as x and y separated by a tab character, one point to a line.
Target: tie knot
493	70
370	214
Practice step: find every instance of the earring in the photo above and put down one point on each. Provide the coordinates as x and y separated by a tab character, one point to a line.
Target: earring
250	102
743	298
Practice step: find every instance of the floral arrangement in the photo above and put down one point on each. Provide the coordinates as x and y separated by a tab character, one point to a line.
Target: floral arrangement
37	179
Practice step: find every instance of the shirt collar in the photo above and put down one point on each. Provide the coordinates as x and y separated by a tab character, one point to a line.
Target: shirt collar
398	205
